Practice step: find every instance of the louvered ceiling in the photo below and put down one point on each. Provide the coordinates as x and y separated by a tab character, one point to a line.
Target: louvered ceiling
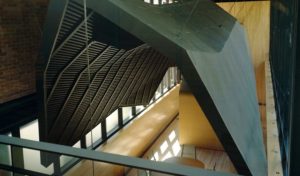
89	76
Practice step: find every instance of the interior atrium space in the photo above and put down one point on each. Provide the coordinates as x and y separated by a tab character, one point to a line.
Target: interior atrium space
149	87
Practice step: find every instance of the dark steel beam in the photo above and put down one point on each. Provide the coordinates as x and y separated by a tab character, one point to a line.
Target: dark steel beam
294	152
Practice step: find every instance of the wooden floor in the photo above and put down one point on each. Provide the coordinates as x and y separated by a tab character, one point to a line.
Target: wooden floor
135	138
212	159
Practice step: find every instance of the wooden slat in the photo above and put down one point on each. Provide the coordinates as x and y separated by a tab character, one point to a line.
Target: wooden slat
273	147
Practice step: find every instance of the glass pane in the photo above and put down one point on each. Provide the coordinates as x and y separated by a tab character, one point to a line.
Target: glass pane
158	92
175	75
139	108
5	155
112	121
166	82
66	159
32	159
94	135
88	139
127	113
167	146
172	80
151	101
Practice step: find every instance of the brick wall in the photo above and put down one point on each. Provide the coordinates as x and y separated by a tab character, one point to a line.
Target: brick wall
21	24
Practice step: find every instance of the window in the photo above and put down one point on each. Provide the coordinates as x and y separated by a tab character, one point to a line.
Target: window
164	147
166	82
172	136
127	113
139	108
158	92
32	160
176	148
112	121
172	75
93	135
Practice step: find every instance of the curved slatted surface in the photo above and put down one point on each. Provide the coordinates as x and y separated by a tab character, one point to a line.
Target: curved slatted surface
85	83
118	78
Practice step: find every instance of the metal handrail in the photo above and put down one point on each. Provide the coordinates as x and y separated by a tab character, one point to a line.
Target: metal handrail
139	163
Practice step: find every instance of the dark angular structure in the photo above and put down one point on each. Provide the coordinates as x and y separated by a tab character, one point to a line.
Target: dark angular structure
93	61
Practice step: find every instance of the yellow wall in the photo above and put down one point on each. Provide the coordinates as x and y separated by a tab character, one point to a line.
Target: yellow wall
194	128
255	17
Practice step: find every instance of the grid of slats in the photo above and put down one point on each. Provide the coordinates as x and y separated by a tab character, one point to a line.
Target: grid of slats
70	42
63	96
86	83
118	78
74	14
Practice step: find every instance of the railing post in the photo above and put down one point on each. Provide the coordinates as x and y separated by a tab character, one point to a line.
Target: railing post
17	157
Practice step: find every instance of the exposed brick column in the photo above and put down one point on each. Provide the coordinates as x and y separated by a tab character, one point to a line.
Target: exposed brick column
21	25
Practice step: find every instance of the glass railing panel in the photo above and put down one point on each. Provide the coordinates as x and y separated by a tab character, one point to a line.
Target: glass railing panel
5	154
64	161
30	160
